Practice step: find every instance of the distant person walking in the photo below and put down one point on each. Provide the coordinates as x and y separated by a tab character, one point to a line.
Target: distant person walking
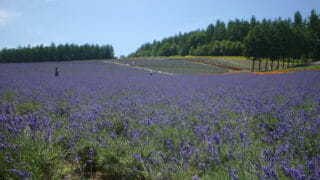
151	72
56	72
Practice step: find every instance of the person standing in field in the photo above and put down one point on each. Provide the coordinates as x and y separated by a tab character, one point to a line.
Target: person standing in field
56	72
151	72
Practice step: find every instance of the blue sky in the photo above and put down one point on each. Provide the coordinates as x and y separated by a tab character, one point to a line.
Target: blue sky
126	24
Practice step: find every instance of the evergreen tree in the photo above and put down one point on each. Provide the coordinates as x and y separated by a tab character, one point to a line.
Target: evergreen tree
314	28
279	40
41	53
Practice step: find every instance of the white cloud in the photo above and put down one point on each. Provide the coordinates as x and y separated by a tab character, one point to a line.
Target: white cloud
7	16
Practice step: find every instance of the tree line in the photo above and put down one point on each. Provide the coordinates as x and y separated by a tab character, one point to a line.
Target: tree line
284	41
61	52
278	39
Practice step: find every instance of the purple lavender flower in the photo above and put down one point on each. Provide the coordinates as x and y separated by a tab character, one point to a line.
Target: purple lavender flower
137	157
216	138
270	172
192	120
202	166
195	177
311	165
22	174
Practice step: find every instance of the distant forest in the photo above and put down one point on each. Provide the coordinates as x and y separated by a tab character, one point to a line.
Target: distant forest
65	52
277	39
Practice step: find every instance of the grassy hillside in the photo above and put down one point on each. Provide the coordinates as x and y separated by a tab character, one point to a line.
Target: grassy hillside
189	64
209	64
175	66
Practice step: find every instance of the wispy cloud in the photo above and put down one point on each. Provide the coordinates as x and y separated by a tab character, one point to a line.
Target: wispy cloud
7	16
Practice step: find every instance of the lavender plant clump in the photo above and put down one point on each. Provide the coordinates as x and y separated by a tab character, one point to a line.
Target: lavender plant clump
103	120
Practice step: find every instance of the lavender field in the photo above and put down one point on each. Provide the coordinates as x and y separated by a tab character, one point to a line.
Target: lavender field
104	121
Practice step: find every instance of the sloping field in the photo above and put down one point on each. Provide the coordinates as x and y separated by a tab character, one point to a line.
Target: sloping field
208	65
176	66
237	63
99	120
192	64
223	63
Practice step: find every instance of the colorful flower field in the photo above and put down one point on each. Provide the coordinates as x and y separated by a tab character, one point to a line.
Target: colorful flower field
103	121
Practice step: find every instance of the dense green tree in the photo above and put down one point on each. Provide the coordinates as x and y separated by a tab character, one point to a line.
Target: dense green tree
67	52
301	39
220	31
253	22
278	40
255	43
298	19
210	31
165	50
198	38
314	27
237	30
